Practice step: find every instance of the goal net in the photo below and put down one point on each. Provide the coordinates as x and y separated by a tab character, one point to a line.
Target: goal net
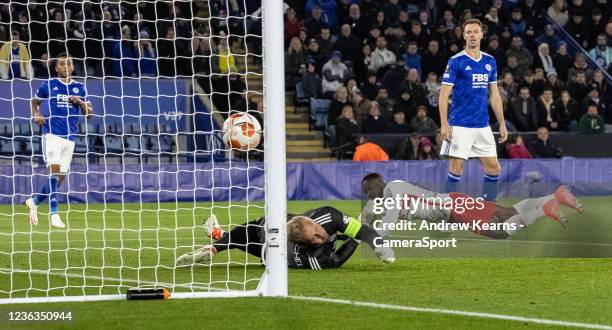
149	165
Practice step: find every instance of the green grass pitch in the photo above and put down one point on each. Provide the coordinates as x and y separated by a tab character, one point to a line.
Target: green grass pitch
109	248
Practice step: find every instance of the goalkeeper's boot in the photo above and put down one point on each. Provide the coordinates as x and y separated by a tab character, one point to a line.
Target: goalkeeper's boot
202	255
385	254
564	196
33	208
553	211
212	227
56	221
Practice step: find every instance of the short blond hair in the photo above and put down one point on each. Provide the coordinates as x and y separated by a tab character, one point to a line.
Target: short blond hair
472	21
295	229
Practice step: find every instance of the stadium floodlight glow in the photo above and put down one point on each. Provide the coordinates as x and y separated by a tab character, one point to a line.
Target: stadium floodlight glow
120	233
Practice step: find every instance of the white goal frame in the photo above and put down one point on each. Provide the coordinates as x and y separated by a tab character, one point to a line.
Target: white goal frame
273	282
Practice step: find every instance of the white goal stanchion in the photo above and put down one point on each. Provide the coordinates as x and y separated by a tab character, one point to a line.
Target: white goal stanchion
150	165
276	191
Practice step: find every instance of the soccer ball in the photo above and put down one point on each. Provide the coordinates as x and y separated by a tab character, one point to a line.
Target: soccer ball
241	131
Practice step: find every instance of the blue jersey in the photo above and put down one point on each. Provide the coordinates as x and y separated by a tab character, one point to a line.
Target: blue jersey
470	79
61	116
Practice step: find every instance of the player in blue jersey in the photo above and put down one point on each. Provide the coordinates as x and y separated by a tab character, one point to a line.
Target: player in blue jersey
62	100
471	75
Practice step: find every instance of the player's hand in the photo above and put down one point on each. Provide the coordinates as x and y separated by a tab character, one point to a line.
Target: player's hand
385	254
74	100
39	119
446	132
503	133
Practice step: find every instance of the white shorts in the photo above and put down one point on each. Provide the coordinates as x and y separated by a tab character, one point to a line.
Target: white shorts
57	151
467	142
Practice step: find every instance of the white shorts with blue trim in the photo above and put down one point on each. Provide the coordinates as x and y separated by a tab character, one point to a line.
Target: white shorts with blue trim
57	151
468	142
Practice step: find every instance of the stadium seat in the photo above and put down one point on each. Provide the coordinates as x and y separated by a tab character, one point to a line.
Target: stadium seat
299	98
80	145
6	147
6	129
132	143
318	113
329	136
26	130
17	129
153	144
114	144
165	143
20	146
35	147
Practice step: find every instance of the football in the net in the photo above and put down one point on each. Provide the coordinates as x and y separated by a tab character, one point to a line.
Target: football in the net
241	131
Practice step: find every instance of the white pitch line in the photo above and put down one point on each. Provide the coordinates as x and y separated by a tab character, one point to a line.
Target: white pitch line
340	301
456	312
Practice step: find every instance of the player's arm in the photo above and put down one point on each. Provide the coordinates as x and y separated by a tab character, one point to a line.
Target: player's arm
354	229
498	110
87	109
448	81
41	94
342	254
445	91
82	102
35	106
84	105
370	236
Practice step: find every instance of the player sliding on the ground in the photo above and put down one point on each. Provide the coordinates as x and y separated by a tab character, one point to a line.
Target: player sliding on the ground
63	99
310	240
453	207
471	75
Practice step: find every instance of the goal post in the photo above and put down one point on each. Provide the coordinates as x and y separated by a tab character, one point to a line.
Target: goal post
147	168
275	154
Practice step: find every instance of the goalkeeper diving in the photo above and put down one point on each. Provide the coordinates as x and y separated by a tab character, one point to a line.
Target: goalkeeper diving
482	217
311	239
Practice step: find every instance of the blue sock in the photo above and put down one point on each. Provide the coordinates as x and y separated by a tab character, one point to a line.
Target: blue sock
489	187
452	181
53	194
42	195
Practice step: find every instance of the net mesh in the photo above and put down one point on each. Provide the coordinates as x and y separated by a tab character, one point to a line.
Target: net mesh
149	165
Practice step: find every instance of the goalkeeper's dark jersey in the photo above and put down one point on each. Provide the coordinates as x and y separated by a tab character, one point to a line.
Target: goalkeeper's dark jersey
337	225
250	237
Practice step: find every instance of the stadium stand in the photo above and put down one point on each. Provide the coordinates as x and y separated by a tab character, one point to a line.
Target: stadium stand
165	40
389	54
553	58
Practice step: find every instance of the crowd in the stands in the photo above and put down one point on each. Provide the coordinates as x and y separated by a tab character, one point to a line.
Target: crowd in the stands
380	63
114	39
183	39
